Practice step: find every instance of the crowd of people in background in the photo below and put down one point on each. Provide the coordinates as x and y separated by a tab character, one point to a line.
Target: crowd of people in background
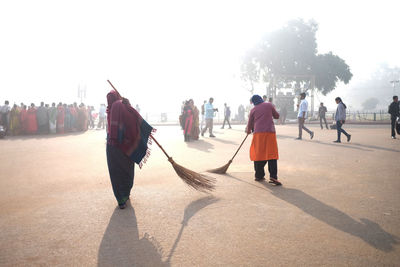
46	119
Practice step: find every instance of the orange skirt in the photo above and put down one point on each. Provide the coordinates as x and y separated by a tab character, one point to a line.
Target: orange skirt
264	147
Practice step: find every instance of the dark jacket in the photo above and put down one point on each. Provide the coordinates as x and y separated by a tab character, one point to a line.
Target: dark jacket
394	109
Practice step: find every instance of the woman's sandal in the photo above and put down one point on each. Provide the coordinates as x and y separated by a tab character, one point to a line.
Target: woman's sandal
274	181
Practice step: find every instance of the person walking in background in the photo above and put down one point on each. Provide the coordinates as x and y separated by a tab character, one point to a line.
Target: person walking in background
264	146
52	113
227	115
321	113
340	118
67	118
202	114
394	113
90	117
302	115
102	116
209	116
265	98
283	114
42	119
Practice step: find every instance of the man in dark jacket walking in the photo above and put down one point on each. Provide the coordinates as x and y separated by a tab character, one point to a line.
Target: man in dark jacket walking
394	112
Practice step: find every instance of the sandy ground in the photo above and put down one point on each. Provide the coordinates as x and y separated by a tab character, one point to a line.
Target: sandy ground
339	205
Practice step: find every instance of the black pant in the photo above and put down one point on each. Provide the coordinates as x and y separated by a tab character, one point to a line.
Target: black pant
340	130
272	168
226	120
393	120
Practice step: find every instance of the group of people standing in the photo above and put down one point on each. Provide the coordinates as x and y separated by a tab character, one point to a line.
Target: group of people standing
45	119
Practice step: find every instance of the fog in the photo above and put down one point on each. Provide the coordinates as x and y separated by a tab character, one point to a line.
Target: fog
158	53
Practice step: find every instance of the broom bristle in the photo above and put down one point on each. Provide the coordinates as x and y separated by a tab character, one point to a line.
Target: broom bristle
221	170
193	179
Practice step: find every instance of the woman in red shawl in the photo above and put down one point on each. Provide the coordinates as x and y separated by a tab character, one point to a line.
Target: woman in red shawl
187	121
127	137
31	120
60	118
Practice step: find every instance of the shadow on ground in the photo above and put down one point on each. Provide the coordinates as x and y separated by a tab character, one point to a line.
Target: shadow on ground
367	230
122	246
200	145
189	212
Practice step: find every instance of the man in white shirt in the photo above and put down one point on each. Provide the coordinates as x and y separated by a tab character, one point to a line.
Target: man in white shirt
302	115
5	115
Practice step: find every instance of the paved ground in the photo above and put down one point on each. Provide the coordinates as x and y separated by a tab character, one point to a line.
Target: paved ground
340	203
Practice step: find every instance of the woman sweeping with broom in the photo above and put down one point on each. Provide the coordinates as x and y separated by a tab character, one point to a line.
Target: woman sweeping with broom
127	138
264	147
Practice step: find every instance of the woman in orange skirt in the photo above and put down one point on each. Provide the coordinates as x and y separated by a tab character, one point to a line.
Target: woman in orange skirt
264	147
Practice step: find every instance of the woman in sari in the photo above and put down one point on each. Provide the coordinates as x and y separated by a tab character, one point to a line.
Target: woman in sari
24	120
264	146
187	121
195	125
60	118
127	138
82	118
15	123
67	119
32	126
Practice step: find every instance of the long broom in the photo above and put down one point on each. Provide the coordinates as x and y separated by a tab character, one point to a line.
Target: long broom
223	169
193	179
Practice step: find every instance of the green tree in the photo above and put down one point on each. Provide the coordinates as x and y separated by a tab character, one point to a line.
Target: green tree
292	50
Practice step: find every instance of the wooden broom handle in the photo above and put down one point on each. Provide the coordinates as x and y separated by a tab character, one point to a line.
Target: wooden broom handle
114	88
165	152
239	147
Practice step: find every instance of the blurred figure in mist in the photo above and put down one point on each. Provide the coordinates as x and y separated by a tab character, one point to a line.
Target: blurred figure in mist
241	112
102	116
15	123
42	119
32	120
394	113
202	114
227	116
187	121
5	115
67	118
209	116
24	119
52	113
283	114
82	118
264	98
90	117
321	114
60	118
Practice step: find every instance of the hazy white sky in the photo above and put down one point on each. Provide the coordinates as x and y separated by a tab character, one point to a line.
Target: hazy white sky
161	52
